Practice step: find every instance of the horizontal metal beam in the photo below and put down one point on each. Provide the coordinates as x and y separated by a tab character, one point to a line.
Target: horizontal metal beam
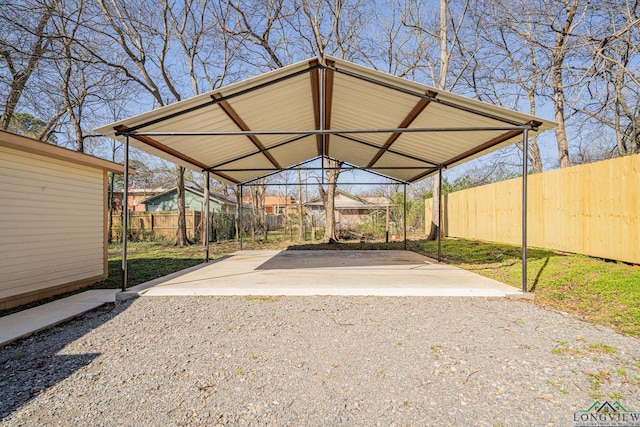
346	166
346	169
389	150
293	167
255	153
282	184
334	131
172	152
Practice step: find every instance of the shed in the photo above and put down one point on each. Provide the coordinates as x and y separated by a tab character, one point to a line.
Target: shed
53	235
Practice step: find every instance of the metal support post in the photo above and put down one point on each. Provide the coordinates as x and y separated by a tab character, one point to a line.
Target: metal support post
207	213
240	217
321	107
404	216
386	226
125	214
439	214
525	155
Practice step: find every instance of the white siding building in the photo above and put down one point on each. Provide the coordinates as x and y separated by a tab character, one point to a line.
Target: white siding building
53	206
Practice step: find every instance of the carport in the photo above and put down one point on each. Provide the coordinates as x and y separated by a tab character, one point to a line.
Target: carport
325	108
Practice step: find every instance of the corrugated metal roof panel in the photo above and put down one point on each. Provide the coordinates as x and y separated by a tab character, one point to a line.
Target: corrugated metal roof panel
355	106
198	100
401	174
349	151
282	106
296	152
460	100
248	164
211	150
396	160
440	146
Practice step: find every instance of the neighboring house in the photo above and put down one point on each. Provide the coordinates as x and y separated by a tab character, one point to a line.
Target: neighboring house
276	205
159	219
53	235
135	197
194	201
349	209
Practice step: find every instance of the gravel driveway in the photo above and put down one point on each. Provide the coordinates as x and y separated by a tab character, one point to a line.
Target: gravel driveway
317	361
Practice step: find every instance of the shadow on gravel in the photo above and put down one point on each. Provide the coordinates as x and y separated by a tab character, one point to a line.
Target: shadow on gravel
32	365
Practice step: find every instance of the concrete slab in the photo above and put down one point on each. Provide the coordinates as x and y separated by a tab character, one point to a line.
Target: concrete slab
27	322
302	273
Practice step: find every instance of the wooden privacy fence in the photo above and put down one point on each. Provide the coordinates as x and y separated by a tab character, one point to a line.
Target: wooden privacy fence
156	225
591	209
164	225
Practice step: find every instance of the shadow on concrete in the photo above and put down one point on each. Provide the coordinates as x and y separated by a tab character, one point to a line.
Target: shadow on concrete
473	252
309	259
32	365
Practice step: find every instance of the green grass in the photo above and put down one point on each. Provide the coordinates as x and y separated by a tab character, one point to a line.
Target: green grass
600	291
149	260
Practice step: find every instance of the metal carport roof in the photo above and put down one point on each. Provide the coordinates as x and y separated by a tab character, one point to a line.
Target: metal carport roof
324	108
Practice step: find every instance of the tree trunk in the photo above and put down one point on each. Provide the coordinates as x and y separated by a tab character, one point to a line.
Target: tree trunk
558	106
17	85
19	78
328	199
557	73
181	239
534	149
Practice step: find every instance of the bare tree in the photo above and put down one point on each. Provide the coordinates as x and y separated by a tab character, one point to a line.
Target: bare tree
155	42
563	31
555	29
394	47
329	27
508	45
76	84
258	24
24	41
445	34
611	94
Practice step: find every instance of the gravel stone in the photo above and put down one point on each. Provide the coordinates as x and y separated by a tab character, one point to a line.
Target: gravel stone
316	361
